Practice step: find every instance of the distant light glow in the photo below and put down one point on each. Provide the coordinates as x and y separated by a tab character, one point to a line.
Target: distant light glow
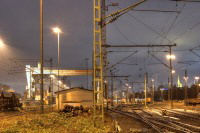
170	56
129	87
197	78
1	43
105	81
56	30
59	81
126	84
173	71
152	80
52	76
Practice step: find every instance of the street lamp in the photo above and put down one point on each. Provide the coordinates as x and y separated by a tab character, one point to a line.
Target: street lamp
57	31
186	88
170	57
173	71
197	78
152	90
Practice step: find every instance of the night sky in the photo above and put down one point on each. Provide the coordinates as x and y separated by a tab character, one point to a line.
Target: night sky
19	29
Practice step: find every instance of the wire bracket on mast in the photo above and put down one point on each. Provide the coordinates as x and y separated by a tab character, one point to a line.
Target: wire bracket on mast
100	53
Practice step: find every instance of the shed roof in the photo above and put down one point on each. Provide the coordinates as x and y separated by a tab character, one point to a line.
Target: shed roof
73	88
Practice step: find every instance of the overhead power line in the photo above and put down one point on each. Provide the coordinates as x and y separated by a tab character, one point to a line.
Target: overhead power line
120	46
166	11
122	60
186	0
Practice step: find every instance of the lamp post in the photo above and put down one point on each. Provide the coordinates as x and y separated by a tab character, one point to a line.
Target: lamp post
170	57
186	87
197	83
57	31
152	90
41	58
86	59
52	78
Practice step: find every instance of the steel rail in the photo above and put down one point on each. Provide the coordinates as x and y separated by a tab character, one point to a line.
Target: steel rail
159	120
138	118
181	113
170	125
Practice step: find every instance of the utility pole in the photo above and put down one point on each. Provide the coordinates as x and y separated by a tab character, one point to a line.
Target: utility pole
171	75
30	91
86	59
145	89
168	89
98	83
186	89
153	90
112	89
51	81
197	87
41	58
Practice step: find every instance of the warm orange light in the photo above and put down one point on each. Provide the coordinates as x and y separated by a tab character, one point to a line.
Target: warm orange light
56	30
1	43
52	76
173	71
170	56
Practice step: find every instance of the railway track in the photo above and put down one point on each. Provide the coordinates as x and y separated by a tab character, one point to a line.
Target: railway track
180	113
158	123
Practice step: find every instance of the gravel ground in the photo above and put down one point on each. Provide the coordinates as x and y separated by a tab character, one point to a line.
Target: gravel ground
129	125
177	105
181	107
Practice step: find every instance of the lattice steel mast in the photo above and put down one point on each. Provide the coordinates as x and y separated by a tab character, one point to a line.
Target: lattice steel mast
100	53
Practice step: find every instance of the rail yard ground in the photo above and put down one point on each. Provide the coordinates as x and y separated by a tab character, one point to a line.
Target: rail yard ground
132	118
53	122
157	118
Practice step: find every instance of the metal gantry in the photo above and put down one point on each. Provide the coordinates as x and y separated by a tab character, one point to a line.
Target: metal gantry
98	62
100	53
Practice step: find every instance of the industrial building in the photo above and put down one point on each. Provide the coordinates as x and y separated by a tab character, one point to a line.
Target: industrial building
75	96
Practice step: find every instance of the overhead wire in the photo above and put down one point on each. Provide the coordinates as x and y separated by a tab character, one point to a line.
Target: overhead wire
123	34
149	27
170	28
173	23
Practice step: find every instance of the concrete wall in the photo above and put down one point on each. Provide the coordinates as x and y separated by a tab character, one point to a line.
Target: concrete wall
75	97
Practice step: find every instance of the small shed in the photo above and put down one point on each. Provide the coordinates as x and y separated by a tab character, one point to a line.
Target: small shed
75	96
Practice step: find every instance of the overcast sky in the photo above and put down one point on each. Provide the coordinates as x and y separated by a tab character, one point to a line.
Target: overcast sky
19	29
